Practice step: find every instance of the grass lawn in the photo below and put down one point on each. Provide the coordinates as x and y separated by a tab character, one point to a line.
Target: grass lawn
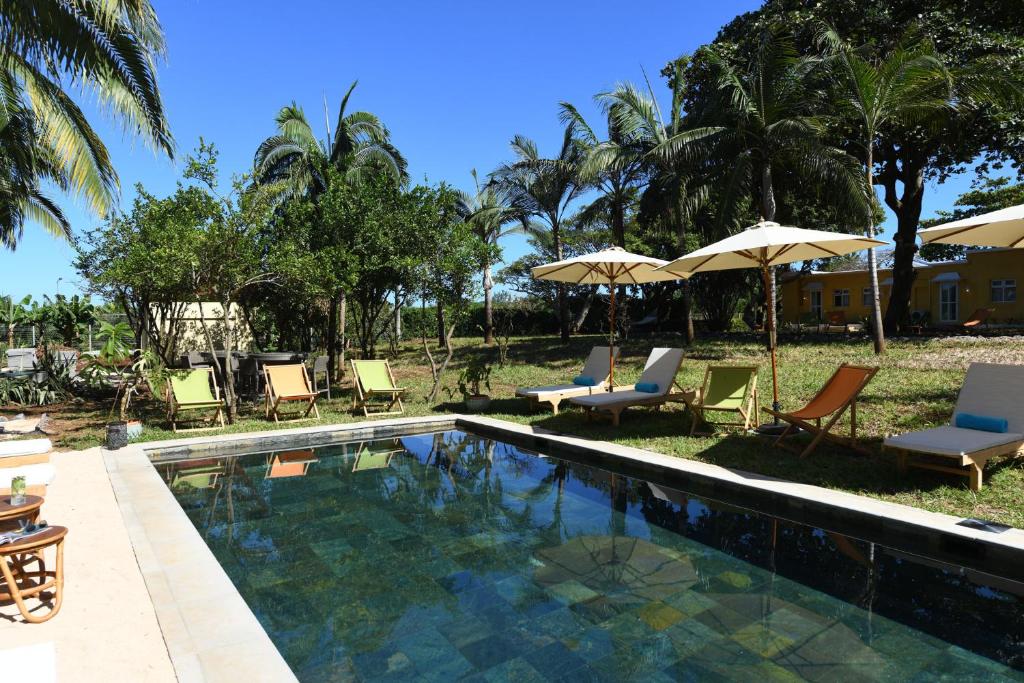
915	388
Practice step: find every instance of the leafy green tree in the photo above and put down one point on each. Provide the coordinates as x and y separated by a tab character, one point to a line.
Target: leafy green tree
14	313
907	86
70	316
109	49
298	165
757	122
542	189
978	43
491	214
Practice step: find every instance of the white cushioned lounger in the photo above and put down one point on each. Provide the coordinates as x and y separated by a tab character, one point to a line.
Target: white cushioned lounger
661	369
989	389
597	366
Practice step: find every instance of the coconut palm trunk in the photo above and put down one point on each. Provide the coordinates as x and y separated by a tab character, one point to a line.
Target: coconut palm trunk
877	330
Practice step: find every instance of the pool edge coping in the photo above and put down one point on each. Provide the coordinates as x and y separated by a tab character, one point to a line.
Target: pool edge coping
150	510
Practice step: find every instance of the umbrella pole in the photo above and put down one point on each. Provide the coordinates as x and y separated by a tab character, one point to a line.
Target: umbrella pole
611	337
775	426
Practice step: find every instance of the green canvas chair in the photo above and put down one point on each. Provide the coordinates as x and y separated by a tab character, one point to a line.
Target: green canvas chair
202	474
191	390
374	388
729	389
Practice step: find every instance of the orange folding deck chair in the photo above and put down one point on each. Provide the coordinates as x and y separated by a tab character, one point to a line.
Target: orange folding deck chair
289	383
290	464
978	318
839	393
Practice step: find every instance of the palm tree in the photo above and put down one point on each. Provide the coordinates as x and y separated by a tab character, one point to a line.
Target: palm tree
541	190
490	213
758	122
908	86
109	49
674	190
297	164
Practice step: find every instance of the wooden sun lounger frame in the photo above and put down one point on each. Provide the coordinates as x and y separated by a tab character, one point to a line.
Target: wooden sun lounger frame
971	465
656	401
748	411
824	432
273	403
364	398
173	406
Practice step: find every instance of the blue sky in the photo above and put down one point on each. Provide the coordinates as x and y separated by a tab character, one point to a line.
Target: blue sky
452	80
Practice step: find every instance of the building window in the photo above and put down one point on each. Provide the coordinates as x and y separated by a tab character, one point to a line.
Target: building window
816	303
840	298
1004	291
865	297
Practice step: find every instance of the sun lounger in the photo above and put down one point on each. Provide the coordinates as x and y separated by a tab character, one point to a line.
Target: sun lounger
659	376
374	388
989	389
289	384
839	394
726	388
597	368
193	390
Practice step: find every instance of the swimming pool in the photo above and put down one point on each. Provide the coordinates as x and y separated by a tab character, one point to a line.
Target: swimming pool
450	555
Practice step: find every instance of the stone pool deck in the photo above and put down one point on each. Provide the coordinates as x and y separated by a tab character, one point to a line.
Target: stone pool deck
107	629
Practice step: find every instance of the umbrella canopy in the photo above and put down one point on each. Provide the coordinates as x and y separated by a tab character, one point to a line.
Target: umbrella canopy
769	244
764	245
612	267
1002	228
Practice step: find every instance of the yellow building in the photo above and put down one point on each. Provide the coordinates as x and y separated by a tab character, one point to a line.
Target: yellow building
947	293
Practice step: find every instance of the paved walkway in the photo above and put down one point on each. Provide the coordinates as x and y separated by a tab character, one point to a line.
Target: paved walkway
107	629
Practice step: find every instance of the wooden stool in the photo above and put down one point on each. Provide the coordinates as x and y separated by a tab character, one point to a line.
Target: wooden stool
22	583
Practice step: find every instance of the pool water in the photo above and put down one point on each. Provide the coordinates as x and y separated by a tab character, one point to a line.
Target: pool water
451	556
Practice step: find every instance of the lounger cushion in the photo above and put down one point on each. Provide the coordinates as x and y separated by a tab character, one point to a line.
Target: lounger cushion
584	381
25	447
35	475
953	441
612	398
982	423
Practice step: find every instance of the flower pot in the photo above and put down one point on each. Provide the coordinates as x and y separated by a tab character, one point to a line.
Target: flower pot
134	429
477	403
117	435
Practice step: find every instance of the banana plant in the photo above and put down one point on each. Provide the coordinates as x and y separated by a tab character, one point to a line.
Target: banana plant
15	314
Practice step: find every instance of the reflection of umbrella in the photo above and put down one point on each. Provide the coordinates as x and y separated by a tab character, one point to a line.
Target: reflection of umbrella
1002	228
611	267
765	245
613	564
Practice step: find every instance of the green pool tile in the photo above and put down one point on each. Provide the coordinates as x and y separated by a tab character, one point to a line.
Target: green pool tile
659	616
571	592
761	639
488	652
554	660
515	669
465	630
689	602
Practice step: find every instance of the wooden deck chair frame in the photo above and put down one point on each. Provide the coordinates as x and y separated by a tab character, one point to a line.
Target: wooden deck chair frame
747	409
977	319
274	400
365	399
614	411
820	431
173	407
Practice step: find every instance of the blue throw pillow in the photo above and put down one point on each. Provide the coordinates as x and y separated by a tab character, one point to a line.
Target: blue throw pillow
982	423
646	387
584	381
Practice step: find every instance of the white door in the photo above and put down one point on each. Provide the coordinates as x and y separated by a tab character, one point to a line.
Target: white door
816	304
949	303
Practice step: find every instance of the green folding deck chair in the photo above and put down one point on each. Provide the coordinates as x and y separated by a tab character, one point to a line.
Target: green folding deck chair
367	459
374	388
191	390
727	388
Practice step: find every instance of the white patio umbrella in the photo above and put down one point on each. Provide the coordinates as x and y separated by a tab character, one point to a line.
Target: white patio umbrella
612	267
764	245
1002	228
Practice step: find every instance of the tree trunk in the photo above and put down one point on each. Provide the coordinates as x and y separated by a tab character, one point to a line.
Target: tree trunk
563	301
618	223
332	338
398	317
908	215
439	310
876	308
229	376
688	333
488	304
342	336
577	322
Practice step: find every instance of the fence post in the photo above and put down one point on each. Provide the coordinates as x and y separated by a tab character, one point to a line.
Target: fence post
90	336
33	336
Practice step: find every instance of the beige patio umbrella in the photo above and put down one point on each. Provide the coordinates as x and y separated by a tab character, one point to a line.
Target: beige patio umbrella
1002	228
612	267
764	245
